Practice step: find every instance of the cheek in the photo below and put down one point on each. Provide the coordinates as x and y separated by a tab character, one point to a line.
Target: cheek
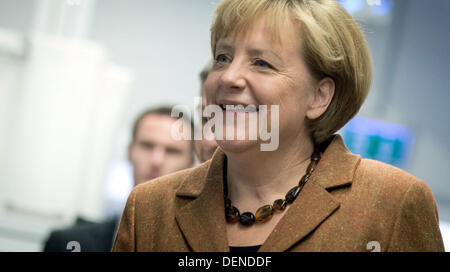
265	91
132	154
138	159
293	99
280	92
177	162
296	93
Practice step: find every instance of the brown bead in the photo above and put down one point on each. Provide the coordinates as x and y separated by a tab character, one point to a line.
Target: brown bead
304	180
311	167
264	213
231	214
292	194
247	219
279	205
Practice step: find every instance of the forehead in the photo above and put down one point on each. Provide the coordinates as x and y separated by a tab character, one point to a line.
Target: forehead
157	129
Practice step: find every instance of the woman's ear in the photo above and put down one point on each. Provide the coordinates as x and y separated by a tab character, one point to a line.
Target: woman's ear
323	94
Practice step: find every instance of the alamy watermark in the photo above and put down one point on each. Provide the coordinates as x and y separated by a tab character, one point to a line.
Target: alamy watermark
239	122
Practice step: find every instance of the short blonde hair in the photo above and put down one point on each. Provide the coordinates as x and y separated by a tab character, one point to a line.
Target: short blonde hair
332	45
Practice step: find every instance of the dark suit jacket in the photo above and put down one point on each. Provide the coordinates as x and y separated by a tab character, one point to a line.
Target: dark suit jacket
348	203
92	237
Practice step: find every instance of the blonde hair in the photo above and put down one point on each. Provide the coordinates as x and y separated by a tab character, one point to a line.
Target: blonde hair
332	46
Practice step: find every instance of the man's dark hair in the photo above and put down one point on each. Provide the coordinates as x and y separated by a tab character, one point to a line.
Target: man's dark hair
162	110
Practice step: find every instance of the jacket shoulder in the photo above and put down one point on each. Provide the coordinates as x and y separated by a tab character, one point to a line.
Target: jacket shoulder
381	174
403	205
387	183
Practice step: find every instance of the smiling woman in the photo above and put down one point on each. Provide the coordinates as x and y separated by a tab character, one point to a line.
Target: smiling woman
329	41
309	58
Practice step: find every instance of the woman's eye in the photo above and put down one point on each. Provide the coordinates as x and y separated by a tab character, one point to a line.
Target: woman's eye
263	64
221	58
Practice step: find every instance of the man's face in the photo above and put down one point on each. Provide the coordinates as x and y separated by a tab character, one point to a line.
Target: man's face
154	152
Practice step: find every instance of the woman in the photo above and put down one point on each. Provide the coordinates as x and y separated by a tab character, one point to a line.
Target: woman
310	193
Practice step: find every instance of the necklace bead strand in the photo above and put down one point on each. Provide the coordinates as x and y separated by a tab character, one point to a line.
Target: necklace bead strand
265	213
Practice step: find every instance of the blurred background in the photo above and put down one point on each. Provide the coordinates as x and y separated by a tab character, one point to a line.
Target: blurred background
75	73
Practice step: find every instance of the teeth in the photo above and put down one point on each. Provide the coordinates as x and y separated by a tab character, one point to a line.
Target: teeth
239	108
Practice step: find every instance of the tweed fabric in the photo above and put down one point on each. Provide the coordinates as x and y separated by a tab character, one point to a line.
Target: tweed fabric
347	203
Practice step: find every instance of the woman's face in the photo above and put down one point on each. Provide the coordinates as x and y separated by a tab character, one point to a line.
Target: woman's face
256	69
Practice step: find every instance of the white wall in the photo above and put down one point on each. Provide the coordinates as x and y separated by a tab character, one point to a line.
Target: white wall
61	99
16	14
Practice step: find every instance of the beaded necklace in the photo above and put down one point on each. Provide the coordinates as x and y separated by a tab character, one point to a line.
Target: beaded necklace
265	213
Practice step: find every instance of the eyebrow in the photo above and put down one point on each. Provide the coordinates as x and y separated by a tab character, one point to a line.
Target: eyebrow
253	51
146	143
166	147
224	46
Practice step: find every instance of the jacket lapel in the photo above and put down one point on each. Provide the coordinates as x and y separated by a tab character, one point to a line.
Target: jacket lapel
315	204
200	207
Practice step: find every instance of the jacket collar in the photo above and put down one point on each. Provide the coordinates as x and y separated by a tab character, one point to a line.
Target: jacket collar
200	206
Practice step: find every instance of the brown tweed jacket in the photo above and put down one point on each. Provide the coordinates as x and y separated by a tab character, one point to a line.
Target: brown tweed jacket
348	203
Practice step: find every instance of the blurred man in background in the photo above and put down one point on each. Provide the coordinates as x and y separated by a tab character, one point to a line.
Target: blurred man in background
204	148
153	152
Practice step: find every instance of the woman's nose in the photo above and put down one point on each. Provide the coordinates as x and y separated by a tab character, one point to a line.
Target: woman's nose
233	76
